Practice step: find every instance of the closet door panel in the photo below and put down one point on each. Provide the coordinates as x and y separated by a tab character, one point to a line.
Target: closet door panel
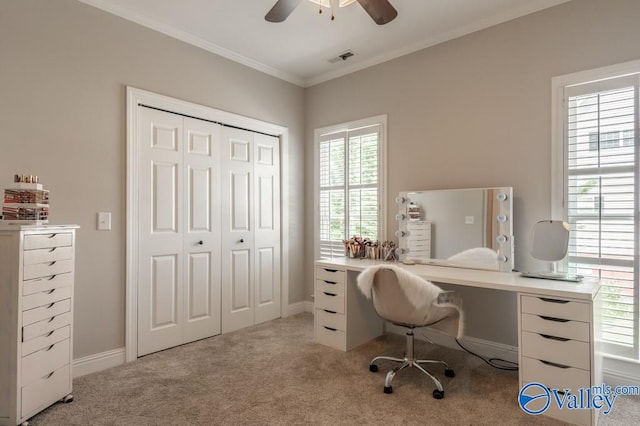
202	236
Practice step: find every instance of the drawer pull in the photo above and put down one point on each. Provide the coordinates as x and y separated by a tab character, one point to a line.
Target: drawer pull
51	319
329	294
329	312
50	291
48	376
553	319
330	328
330	282
52	263
51	277
50	333
560	339
330	270
51	305
52	236
553	364
546	299
49	348
53	249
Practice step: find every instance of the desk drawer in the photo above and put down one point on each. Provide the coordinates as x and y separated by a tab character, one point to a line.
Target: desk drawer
39	364
329	301
46	340
334	338
331	320
47	283
41	241
329	287
46	390
556	308
575	330
333	275
47	269
572	353
45	298
48	255
40	328
46	312
553	376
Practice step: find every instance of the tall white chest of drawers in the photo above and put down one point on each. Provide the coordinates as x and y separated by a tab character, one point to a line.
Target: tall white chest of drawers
36	318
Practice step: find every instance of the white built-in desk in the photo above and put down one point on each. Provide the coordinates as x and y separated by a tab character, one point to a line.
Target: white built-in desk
558	342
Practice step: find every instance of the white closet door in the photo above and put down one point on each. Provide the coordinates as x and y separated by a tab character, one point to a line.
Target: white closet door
160	295
266	167
202	230
237	229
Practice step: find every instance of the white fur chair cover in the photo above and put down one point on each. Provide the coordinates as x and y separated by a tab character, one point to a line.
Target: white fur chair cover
422	295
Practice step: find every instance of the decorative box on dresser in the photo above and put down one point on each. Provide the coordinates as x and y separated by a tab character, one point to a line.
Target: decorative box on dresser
36	318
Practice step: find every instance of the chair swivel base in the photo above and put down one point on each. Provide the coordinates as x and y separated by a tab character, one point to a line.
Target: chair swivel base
410	360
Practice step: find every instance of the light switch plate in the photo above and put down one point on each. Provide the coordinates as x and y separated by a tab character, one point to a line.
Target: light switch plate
104	221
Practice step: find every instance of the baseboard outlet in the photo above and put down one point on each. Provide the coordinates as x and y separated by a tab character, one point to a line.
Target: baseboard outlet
299	307
484	348
98	362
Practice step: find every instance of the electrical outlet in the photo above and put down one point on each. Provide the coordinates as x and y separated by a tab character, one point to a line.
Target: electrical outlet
468	220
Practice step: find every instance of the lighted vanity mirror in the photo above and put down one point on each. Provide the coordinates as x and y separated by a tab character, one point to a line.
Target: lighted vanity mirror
469	228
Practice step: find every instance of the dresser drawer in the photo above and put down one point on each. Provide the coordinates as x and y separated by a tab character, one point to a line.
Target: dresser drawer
330	287
45	297
331	320
38	285
333	275
556	308
572	353
41	241
569	329
45	391
46	340
39	270
41	328
334	338
48	255
329	301
40	363
46	312
554	376
567	415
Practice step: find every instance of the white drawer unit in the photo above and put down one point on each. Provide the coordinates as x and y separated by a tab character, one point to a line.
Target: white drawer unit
344	318
556	341
37	265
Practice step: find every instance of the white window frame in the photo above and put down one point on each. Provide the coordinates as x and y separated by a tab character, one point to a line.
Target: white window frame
380	120
558	157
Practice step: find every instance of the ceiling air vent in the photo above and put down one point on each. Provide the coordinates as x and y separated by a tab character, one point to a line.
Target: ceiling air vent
342	57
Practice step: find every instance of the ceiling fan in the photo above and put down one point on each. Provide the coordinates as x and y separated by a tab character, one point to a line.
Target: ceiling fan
381	11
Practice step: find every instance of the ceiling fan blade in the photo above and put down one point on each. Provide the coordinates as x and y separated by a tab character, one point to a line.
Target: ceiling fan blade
380	11
281	10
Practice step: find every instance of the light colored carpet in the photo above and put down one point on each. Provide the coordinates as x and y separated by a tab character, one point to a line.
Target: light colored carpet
274	374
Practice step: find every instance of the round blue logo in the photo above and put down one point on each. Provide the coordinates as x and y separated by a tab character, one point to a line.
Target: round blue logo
534	398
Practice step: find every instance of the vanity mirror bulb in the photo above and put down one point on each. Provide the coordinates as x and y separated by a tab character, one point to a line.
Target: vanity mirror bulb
400	233
501	239
401	200
401	251
502	258
400	216
502	196
502	218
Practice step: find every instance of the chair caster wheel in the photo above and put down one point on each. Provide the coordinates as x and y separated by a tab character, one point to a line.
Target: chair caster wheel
373	368
449	372
388	389
438	394
67	399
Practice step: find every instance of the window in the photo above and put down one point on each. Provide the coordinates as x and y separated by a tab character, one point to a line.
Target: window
349	184
598	160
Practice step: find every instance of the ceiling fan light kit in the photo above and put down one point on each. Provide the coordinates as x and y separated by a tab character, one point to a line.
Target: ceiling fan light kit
381	11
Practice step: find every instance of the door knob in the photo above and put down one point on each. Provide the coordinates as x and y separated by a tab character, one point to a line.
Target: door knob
201	242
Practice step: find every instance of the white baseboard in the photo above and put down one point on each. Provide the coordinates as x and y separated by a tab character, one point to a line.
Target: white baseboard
98	362
620	372
299	307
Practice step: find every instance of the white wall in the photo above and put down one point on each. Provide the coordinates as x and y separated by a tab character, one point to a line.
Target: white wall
64	67
476	112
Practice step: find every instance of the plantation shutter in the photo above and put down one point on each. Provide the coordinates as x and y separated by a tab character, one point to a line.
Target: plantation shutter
601	196
349	187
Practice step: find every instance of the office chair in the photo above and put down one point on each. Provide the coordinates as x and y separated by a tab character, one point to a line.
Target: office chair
407	300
